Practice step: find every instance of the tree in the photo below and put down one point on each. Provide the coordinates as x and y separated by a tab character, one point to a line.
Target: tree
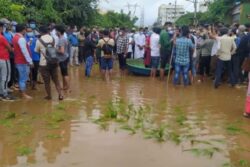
11	10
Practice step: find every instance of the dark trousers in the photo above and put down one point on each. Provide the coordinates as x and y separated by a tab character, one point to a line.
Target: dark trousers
236	69
122	61
81	56
243	76
35	71
205	65
13	73
221	65
50	72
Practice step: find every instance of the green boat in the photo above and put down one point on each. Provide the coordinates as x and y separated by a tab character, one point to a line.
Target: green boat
137	67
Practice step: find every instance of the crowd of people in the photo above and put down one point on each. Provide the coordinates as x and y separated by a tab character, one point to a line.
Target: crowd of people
195	54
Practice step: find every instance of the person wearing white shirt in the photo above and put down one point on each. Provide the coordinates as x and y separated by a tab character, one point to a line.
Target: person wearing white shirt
140	40
155	51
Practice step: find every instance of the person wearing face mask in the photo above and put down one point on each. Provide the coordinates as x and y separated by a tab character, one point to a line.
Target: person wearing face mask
140	41
165	49
73	41
5	48
62	52
81	38
22	59
31	40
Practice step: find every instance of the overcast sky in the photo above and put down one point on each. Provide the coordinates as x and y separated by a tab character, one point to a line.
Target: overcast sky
150	7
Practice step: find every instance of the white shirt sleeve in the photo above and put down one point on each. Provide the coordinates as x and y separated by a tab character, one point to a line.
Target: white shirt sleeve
22	44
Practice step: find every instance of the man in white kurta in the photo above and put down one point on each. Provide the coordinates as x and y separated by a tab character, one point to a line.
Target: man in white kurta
140	41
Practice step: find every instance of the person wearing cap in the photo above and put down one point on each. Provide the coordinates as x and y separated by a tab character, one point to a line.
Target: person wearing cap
23	59
5	69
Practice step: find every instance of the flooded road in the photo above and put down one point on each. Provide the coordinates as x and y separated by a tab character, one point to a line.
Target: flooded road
128	122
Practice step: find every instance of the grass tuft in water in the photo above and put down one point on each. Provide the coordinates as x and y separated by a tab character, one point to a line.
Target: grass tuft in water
60	107
24	151
207	152
244	163
9	115
53	136
158	133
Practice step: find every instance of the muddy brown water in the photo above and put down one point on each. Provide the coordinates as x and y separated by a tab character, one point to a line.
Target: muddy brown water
210	115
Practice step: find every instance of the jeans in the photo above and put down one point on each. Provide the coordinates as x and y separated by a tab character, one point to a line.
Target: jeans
219	70
5	72
23	71
181	69
89	64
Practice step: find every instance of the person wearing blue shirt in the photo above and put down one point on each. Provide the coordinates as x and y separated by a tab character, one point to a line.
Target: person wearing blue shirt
183	47
8	34
31	40
74	55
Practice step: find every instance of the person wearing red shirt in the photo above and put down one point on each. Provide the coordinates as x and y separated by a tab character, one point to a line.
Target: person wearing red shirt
23	59
5	69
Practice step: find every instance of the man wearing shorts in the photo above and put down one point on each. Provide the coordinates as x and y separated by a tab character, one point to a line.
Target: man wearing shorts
106	59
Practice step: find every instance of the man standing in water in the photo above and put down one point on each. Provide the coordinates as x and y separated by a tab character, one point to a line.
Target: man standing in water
122	49
165	48
184	47
5	69
49	71
106	44
140	41
63	56
22	59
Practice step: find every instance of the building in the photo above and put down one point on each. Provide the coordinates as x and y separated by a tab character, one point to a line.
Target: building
240	13
169	13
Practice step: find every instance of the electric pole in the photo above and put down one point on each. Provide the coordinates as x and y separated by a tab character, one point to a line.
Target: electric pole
142	17
195	2
175	10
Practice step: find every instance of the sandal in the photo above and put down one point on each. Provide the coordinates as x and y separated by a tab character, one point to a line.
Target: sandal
60	97
246	115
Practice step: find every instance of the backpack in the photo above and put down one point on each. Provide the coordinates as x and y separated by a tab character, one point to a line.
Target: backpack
107	48
50	53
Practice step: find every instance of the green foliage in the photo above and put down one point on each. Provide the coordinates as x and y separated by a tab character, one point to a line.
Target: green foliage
113	19
11	10
217	12
24	150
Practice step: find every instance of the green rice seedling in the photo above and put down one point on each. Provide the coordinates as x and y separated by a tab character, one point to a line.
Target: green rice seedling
207	152
53	136
58	116
194	142
6	123
129	128
111	111
233	129
228	164
93	97
60	107
158	133
174	137
244	163
24	151
180	119
9	115
221	141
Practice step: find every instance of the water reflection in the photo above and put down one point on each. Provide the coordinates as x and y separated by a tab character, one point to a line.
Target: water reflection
82	143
